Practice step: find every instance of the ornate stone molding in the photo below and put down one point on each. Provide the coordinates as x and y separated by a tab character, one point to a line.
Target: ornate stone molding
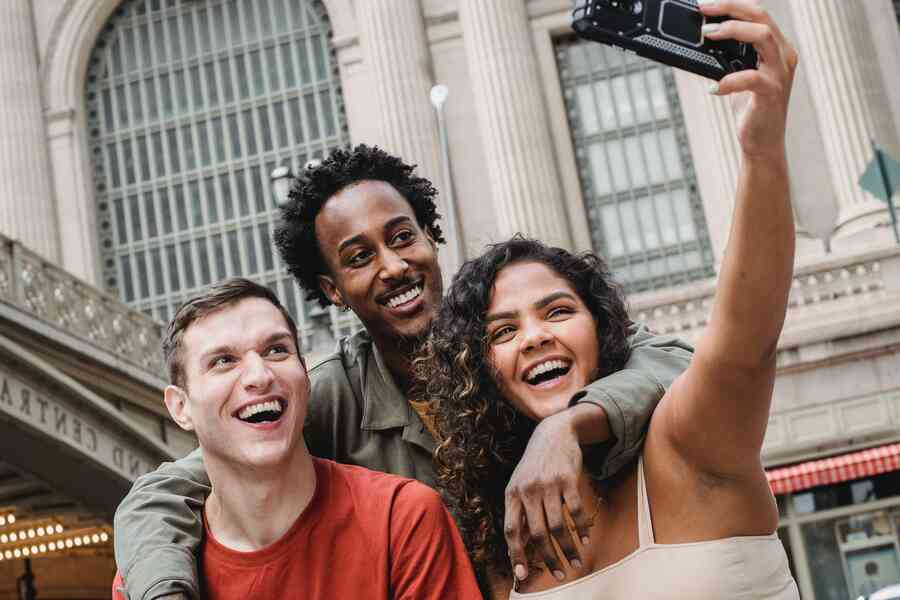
66	303
834	286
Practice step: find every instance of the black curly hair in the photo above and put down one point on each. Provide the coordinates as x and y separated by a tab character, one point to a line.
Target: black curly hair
295	234
482	436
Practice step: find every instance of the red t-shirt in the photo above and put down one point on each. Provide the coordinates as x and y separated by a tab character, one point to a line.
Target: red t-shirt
364	534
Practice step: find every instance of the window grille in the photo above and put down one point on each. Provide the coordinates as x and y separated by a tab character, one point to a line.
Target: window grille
191	105
644	211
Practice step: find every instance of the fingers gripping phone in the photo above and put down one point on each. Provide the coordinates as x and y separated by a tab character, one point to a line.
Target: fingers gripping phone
666	31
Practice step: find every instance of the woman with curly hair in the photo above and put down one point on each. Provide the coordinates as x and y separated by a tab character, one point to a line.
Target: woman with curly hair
524	325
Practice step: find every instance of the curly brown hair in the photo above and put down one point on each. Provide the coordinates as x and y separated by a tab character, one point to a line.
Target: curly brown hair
482	436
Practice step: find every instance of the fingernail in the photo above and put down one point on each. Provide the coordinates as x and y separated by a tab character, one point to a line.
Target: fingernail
576	564
521	572
713	88
585	540
559	575
706	2
710	28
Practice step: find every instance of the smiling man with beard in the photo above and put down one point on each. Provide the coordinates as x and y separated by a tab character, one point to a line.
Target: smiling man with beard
360	231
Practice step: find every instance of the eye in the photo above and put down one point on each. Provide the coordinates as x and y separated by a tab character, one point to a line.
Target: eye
403	237
360	258
559	312
502	334
277	350
220	362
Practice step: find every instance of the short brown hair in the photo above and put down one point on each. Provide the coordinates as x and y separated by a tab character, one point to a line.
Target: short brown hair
216	297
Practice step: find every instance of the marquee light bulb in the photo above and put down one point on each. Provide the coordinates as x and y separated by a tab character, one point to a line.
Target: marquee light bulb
59	529
104	537
52	546
68	543
17	553
11	519
40	531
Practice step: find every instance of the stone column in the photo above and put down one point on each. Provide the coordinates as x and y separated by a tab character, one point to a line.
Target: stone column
834	65
26	199
512	120
396	51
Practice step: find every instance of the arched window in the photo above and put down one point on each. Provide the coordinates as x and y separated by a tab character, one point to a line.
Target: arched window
640	190
192	104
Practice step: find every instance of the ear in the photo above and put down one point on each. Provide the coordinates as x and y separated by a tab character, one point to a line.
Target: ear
177	403
326	284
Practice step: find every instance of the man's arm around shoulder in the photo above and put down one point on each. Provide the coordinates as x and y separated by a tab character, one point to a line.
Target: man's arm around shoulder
429	561
158	529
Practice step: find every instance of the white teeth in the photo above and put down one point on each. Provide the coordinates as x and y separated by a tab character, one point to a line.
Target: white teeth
249	411
544	367
405	297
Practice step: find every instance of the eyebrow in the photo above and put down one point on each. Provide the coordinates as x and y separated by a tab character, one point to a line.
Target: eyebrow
360	237
538	305
225	349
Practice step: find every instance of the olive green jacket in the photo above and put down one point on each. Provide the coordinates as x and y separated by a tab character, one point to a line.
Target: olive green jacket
357	415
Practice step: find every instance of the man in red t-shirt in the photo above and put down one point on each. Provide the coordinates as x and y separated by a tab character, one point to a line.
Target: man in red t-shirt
280	523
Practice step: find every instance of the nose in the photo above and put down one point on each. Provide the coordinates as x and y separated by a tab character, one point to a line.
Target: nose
393	266
534	336
256	375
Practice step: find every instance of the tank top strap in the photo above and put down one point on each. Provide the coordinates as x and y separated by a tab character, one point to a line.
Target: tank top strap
645	522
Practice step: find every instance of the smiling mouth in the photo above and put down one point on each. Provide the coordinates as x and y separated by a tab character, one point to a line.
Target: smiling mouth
405	297
262	412
547	371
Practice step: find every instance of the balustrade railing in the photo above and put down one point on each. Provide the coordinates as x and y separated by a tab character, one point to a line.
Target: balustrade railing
70	305
685	312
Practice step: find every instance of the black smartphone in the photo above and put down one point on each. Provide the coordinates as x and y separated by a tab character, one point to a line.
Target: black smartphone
666	31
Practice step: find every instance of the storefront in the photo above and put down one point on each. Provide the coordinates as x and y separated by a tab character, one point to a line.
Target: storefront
840	522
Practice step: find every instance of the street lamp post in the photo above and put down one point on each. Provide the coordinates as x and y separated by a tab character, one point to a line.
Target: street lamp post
439	95
281	178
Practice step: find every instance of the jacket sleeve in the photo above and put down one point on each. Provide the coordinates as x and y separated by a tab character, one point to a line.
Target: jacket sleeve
158	529
428	559
630	395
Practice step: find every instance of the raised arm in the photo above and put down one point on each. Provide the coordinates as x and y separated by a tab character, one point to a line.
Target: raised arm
158	528
609	417
716	414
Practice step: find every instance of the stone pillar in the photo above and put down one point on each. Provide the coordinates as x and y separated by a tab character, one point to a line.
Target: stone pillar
26	199
834	65
396	51
524	183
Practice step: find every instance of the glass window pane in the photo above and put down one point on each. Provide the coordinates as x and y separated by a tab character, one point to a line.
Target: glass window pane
234	250
684	215
240	187
611	228
218	248
150	210
140	261
265	242
204	262
599	170
172	261
137	230
209	184
647	219
670	153
250	245
635	160
196	204
188	264
187	154
159	286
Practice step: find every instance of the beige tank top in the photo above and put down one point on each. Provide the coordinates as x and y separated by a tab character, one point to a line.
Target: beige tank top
745	568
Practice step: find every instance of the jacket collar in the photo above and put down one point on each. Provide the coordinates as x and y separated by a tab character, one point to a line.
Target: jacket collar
384	405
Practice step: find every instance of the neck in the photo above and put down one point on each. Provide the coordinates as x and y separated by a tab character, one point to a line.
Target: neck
251	508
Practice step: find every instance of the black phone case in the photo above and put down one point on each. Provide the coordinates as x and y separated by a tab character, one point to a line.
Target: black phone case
666	31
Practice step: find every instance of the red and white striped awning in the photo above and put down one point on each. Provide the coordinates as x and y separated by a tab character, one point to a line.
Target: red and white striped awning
855	465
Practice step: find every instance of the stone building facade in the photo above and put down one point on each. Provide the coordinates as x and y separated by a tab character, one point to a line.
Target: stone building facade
136	137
